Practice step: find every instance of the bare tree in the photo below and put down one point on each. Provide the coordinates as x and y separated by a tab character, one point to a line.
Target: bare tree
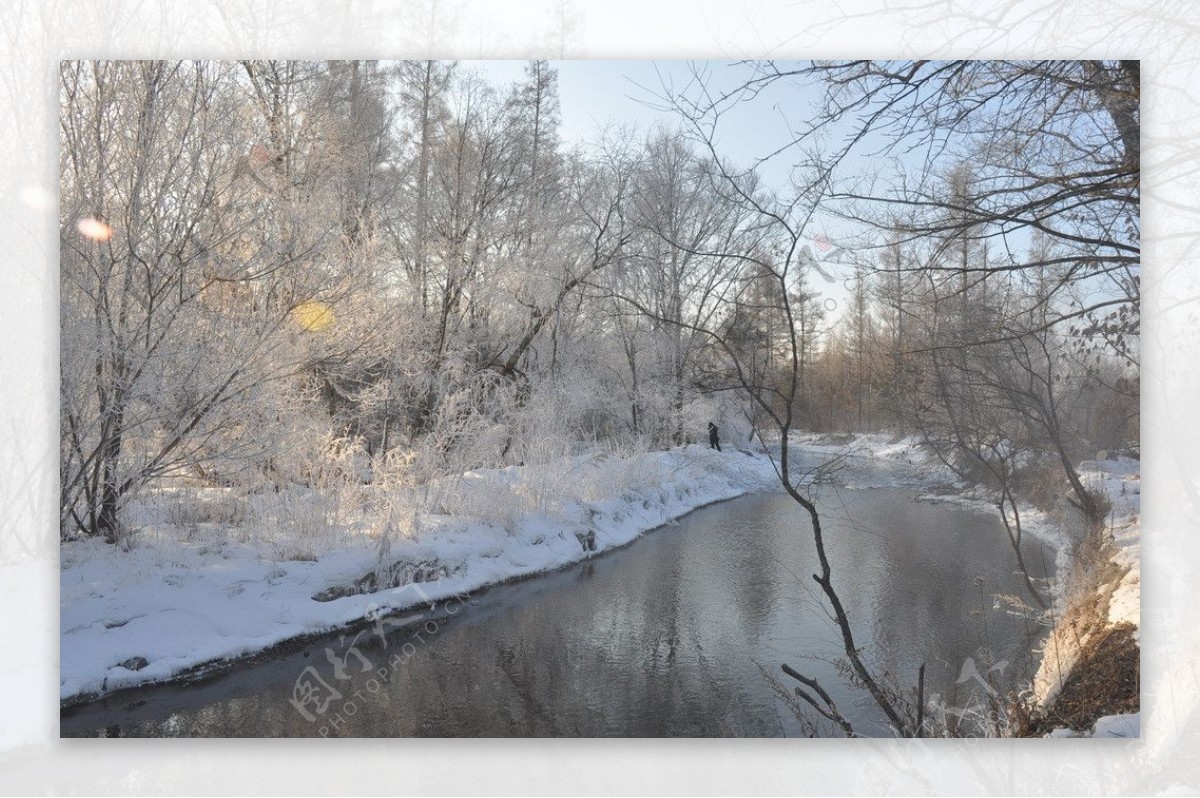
186	249
423	88
685	230
1054	149
769	238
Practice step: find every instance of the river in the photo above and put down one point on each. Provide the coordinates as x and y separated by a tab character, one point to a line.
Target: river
679	634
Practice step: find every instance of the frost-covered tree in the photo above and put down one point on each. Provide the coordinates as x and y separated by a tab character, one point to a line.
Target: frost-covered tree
202	248
683	264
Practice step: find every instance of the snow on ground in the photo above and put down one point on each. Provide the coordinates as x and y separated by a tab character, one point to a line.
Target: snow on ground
1119	726
209	577
881	445
1108	727
889	460
212	576
1120	481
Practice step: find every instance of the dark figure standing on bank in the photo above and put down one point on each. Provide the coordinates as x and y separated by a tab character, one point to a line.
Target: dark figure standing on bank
714	439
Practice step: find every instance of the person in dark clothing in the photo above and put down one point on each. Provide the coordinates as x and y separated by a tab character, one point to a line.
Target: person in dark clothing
714	438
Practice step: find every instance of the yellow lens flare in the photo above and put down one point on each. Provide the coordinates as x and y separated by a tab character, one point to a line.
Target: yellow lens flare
312	316
93	228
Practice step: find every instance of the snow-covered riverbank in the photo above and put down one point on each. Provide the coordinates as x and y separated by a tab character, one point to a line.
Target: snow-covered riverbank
1101	619
212	575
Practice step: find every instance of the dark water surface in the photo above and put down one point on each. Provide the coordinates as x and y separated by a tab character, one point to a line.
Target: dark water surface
660	638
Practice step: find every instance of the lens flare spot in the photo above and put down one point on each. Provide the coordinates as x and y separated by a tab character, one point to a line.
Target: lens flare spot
93	228
312	316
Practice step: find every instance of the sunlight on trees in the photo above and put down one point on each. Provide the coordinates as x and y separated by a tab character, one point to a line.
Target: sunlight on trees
487	294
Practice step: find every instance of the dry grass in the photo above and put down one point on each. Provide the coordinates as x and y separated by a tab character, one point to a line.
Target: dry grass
1106	680
1100	661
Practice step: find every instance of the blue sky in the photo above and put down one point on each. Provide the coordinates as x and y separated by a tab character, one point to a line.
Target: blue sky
593	94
